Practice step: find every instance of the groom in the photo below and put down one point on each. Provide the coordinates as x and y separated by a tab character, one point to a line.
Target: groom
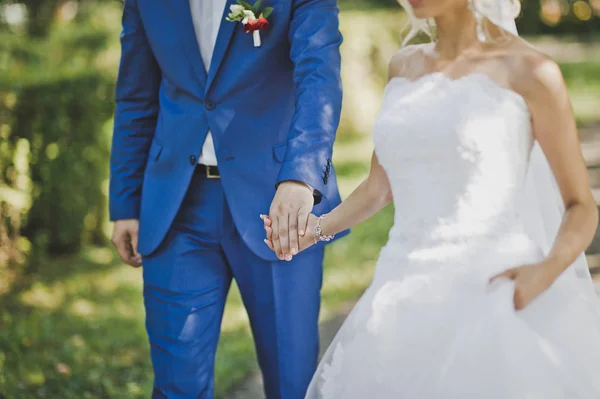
210	132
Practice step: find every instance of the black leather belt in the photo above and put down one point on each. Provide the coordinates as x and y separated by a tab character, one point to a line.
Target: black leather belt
210	172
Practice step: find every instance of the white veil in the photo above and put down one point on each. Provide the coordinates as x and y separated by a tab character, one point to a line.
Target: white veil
542	211
542	208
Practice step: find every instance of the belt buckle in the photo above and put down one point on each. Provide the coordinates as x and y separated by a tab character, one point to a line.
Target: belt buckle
209	175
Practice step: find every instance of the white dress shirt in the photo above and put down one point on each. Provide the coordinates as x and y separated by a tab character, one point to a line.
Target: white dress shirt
207	15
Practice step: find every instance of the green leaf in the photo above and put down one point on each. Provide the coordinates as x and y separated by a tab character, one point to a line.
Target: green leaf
246	5
256	7
267	12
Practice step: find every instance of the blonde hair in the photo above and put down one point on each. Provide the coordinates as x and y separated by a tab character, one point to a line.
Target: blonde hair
496	11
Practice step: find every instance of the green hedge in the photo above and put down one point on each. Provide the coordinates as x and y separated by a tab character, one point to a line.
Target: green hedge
63	122
54	148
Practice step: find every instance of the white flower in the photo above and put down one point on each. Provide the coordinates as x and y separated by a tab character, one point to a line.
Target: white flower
236	8
250	15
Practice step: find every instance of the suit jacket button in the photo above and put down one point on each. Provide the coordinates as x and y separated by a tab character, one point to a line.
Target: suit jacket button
192	160
210	105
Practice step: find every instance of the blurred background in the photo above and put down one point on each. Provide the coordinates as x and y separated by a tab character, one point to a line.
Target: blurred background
71	315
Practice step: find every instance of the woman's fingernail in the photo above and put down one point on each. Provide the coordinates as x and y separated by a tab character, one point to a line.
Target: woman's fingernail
294	251
288	257
301	233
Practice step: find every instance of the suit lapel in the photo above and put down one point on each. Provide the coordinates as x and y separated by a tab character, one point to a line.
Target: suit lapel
223	39
185	25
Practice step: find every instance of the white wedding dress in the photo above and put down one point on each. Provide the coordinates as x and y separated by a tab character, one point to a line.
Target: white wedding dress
430	326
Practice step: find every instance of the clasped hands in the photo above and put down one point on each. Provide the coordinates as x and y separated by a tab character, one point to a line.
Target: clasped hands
289	226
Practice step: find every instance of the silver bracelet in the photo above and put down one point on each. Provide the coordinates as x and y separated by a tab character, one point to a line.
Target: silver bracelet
319	236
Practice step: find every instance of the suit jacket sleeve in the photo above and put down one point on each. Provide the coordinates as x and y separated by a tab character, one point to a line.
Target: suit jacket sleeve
314	49
135	116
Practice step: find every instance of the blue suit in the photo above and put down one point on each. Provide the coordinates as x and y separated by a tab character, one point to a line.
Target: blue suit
273	112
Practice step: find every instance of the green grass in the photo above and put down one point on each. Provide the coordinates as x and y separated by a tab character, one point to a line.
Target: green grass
76	333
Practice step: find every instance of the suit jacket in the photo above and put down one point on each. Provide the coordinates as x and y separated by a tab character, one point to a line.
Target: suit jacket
273	112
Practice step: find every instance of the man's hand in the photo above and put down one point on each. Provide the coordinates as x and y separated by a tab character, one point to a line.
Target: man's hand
289	213
306	241
125	239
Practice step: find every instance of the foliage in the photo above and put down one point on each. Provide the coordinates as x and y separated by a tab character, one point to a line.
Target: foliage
54	107
62	120
584	89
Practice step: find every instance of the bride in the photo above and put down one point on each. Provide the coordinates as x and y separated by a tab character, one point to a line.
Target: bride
482	291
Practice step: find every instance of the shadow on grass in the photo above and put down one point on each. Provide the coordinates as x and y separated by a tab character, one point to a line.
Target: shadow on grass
79	350
78	332
91	260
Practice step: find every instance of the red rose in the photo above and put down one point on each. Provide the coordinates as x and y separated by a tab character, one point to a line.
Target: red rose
259	24
262	23
250	26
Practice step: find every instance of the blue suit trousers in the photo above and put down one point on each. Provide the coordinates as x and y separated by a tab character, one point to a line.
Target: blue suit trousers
186	281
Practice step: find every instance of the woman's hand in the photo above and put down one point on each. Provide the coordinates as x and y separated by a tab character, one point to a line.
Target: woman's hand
305	241
530	282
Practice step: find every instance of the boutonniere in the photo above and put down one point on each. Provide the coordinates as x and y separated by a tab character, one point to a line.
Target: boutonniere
247	14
